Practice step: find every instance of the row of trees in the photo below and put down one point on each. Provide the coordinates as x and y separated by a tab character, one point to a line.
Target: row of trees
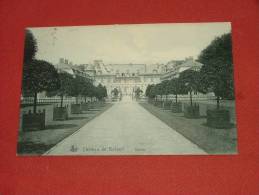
186	82
216	74
77	86
40	75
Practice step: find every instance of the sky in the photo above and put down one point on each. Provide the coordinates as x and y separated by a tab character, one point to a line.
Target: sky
120	44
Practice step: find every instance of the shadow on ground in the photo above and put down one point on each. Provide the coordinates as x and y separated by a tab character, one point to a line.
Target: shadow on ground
61	126
77	118
33	148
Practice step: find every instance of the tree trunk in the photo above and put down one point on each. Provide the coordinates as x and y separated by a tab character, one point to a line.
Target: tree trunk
218	102
35	103
85	99
176	98
166	97
191	97
76	99
61	103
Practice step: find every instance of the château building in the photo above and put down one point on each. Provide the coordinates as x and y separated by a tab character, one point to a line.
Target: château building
128	77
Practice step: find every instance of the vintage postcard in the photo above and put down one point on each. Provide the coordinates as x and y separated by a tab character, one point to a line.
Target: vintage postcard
146	89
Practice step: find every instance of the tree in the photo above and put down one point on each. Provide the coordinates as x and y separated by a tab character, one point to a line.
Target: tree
30	47
166	89
30	50
138	91
104	91
115	92
177	87
101	92
87	88
92	92
191	81
39	76
66	81
158	90
217	71
150	91
77	88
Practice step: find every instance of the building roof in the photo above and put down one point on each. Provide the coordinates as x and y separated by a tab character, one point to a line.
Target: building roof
172	68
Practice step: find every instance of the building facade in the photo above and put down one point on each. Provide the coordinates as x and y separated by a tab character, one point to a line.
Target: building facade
126	77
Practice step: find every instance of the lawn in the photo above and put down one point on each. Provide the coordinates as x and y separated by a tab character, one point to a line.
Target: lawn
39	142
213	141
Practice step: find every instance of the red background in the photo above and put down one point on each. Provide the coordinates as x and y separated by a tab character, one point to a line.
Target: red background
190	175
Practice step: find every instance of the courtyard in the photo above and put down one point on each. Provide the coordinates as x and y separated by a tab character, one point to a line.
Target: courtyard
125	128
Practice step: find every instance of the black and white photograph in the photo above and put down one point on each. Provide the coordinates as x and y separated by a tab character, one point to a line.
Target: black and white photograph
131	89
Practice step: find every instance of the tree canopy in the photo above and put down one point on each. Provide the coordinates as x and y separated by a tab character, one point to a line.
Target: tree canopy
78	86
40	76
159	89
166	88
87	88
30	47
101	92
150	92
177	87
191	81
217	71
173	86
66	80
